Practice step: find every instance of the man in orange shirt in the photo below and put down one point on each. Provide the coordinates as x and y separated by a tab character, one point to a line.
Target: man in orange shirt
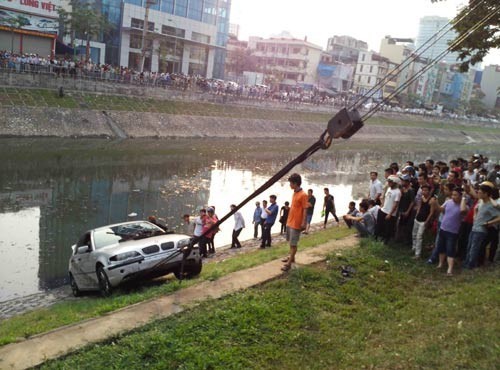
297	216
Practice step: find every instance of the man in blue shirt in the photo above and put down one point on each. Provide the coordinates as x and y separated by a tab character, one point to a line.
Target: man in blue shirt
256	219
272	213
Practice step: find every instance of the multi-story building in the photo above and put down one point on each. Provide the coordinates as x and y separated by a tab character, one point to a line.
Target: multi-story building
30	26
334	75
372	78
448	87
286	61
237	59
187	36
490	86
429	32
345	49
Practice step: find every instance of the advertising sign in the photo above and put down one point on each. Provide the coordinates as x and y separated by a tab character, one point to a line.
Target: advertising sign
29	21
43	8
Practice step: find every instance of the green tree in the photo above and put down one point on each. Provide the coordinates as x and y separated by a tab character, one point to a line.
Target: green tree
475	47
15	23
83	21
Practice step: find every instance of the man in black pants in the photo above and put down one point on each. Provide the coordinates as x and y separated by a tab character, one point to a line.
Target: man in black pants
387	215
329	207
272	213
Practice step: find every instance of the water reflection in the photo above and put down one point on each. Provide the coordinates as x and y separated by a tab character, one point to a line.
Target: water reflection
52	191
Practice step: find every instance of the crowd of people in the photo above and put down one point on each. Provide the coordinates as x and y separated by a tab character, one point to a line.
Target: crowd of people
455	205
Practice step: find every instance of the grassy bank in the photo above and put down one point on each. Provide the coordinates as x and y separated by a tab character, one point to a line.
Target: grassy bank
76	310
19	97
392	313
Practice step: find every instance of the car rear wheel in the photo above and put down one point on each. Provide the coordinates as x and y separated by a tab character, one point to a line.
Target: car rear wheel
190	271
74	286
104	285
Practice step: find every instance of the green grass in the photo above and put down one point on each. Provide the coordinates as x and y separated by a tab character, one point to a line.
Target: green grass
73	311
392	313
83	100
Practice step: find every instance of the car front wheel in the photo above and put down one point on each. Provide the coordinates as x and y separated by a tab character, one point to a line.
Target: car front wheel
74	286
104	285
189	271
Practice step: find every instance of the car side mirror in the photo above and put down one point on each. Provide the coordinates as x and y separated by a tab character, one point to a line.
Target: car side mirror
83	249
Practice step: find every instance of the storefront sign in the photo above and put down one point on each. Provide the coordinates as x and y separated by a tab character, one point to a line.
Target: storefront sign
45	8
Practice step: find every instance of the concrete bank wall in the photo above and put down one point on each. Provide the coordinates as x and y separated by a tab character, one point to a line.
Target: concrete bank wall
27	121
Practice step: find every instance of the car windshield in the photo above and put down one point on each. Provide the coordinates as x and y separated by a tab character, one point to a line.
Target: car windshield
119	233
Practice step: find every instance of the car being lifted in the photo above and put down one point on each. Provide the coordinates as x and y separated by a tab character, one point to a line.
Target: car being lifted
107	256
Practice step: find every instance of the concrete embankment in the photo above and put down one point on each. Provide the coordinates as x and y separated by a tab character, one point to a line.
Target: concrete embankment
60	122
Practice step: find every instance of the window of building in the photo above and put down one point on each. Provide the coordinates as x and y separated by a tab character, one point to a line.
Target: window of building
195	36
362	57
172	31
209	11
369	80
291	76
197	69
135	41
167	6
139	24
359	78
181	7
296	50
195	10
361	68
198	53
371	69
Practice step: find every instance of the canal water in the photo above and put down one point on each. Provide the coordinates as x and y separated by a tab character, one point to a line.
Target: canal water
52	190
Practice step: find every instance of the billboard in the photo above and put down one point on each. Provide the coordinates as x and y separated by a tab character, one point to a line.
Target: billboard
42	8
34	15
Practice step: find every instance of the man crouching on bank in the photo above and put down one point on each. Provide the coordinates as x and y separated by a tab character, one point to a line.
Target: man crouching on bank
296	221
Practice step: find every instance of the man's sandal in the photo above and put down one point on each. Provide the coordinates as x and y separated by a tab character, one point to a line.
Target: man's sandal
285	259
286	268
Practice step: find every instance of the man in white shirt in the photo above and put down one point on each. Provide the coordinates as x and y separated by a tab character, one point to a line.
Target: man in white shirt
239	224
375	187
387	215
198	222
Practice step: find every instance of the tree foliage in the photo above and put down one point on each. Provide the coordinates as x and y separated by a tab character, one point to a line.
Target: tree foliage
475	47
83	21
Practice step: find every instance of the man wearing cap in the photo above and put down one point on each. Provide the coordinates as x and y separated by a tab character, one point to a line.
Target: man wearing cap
387	215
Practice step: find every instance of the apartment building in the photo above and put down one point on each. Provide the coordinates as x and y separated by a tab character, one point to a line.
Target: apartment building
286	61
371	70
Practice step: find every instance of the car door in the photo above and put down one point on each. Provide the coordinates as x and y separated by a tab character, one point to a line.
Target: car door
83	263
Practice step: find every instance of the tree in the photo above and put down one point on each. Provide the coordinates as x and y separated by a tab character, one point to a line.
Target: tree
15	23
475	47
83	21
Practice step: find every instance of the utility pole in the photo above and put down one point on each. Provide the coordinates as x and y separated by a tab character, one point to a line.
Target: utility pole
145	31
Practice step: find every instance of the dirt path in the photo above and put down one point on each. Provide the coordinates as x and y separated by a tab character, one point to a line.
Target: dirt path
40	348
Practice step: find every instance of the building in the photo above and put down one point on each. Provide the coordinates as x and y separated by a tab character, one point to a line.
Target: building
286	61
30	26
333	75
428	34
345	49
183	36
449	87
490	86
238	59
371	70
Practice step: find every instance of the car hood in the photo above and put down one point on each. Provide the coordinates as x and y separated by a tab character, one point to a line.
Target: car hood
137	245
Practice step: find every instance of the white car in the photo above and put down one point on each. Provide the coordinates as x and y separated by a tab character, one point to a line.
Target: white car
45	23
105	257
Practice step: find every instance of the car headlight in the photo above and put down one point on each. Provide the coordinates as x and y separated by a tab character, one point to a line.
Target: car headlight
124	256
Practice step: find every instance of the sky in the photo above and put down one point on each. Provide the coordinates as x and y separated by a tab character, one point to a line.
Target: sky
367	20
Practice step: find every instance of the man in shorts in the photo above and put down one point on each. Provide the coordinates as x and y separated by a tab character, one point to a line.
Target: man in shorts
297	218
